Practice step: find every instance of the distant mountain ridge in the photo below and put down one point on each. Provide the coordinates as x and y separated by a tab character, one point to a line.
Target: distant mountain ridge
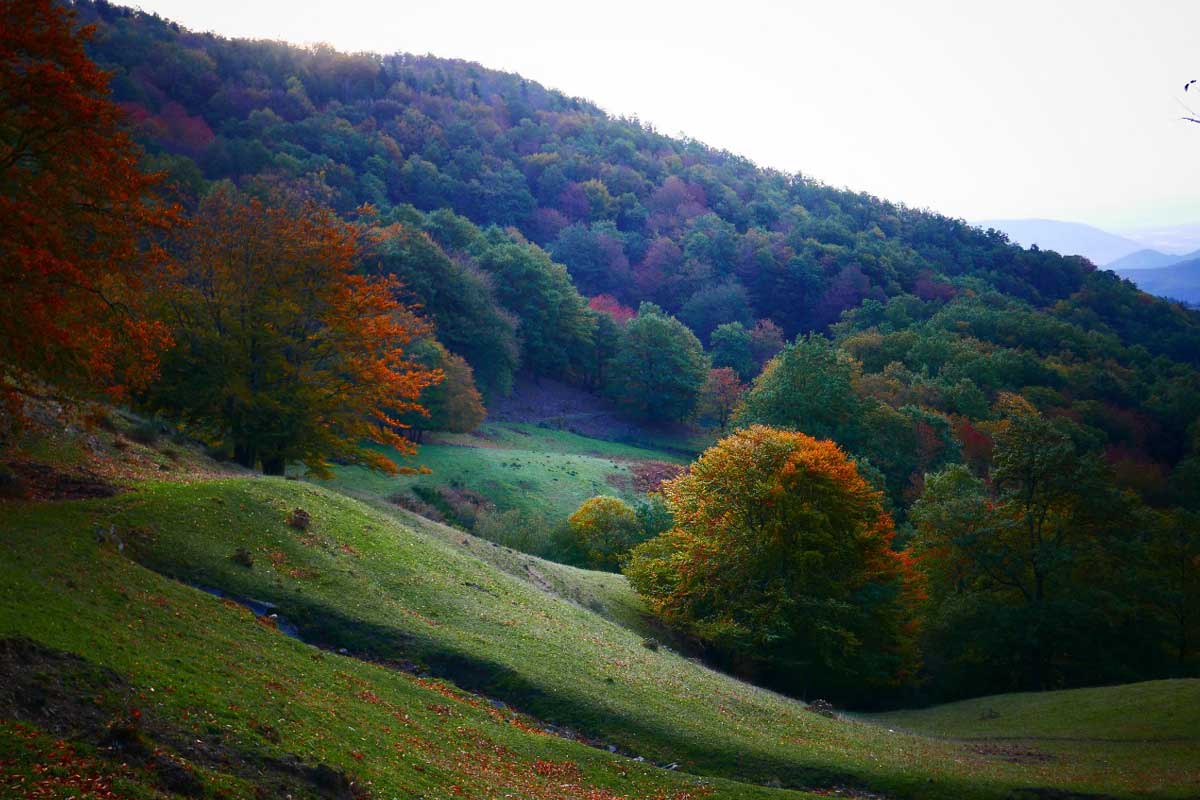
1068	238
1149	259
1178	281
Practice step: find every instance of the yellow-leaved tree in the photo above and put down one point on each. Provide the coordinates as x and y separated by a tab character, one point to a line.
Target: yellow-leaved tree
781	560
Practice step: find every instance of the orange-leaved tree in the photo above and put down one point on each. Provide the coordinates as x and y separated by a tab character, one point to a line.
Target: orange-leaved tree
781	559
282	351
76	216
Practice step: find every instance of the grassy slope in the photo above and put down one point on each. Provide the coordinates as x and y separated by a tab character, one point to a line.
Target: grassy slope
1149	711
370	582
207	672
540	471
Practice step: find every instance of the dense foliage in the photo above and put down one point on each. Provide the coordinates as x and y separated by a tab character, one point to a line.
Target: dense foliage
781	558
76	216
604	529
659	368
452	404
1046	575
281	351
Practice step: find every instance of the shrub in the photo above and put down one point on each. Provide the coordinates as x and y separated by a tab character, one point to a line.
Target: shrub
605	529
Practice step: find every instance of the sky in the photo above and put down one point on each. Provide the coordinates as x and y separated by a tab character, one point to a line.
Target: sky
1054	109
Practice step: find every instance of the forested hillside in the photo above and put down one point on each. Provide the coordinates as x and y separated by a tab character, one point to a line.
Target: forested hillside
630	212
943	465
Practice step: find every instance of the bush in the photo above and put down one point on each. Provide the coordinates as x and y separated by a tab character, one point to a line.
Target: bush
514	529
605	529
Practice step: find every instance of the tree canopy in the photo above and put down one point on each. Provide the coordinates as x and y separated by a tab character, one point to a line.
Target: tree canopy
78	216
281	350
781	557
659	368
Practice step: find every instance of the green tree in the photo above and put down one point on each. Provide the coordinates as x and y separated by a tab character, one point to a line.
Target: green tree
452	405
716	305
456	296
731	346
659	368
1026	575
808	387
556	328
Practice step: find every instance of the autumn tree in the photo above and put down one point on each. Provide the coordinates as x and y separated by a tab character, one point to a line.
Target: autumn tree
604	529
766	339
76	215
781	559
659	368
282	351
611	306
720	395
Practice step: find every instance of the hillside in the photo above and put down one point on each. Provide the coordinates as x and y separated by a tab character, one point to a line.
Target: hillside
629	211
385	589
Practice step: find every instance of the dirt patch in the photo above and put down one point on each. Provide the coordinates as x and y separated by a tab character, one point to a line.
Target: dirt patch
76	700
1013	754
649	476
34	481
1043	793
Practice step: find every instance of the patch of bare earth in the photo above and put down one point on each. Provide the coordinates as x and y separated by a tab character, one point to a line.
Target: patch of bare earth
645	477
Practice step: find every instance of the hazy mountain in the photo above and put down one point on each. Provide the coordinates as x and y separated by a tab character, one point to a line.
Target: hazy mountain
1149	259
1068	238
1179	281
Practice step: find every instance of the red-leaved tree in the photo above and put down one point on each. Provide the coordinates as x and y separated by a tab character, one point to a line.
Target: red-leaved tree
76	216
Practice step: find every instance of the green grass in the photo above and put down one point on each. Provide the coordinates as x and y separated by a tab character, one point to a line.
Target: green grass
1153	711
541	472
382	585
196	669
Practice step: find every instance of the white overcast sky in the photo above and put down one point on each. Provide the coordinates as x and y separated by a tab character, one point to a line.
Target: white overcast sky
1065	110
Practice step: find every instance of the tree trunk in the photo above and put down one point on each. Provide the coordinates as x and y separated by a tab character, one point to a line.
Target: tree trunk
245	454
274	465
